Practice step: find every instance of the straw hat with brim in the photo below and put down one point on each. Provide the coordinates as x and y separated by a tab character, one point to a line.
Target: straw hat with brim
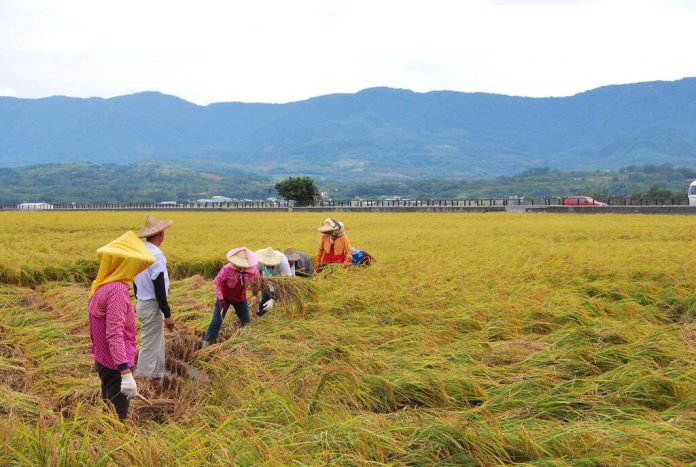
269	256
153	227
329	225
242	258
291	254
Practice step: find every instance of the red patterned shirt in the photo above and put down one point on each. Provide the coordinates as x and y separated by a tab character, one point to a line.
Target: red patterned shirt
112	326
231	283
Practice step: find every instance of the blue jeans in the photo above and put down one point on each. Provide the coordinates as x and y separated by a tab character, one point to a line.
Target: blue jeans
242	310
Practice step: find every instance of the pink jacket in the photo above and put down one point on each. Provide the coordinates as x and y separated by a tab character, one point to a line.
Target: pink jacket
231	283
112	326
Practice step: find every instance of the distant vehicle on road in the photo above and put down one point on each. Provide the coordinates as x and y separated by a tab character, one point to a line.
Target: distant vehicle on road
582	201
692	193
167	203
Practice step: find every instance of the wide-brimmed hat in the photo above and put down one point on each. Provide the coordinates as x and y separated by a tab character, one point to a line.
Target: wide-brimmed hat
329	225
291	254
242	257
269	256
153	226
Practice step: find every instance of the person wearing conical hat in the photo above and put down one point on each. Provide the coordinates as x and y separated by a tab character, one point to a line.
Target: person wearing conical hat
271	263
152	308
112	318
231	290
299	263
334	246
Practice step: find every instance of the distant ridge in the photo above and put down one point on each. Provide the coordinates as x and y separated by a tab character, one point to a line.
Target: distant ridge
374	133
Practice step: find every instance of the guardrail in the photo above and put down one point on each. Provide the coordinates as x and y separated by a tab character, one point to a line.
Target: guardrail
405	203
555	201
633	201
148	206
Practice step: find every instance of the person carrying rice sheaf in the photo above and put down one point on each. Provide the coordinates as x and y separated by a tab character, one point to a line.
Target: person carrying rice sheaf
334	246
152	308
112	318
272	263
231	288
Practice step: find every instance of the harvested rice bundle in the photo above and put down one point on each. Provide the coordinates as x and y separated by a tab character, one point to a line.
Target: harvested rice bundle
176	366
158	410
13	374
290	290
68	402
183	344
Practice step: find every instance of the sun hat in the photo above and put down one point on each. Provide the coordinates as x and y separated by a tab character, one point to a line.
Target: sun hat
329	225
269	257
153	226
291	254
242	257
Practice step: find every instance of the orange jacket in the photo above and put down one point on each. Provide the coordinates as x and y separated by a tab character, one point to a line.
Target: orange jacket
341	247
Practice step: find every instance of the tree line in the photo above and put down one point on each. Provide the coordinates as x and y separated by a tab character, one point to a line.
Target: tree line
152	183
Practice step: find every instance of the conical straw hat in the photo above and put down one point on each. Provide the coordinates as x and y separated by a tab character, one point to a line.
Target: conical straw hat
291	254
269	256
329	225
153	226
242	257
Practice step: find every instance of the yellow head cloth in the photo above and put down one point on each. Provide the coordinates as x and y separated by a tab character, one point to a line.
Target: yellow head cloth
122	260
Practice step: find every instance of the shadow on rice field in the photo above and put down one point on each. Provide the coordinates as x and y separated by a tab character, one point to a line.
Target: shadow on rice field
475	340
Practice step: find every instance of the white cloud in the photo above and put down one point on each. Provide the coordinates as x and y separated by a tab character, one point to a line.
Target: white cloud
7	91
278	51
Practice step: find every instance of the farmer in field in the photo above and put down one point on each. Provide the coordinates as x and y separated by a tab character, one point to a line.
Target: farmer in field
299	263
334	246
271	263
151	289
230	288
112	317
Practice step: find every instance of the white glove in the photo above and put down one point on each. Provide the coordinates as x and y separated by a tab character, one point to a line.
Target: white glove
128	386
268	305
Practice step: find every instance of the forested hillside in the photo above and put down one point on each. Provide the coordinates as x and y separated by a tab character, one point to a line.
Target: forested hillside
89	183
375	134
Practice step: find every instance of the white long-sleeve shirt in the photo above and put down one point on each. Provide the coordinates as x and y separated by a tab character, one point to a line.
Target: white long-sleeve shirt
281	269
143	281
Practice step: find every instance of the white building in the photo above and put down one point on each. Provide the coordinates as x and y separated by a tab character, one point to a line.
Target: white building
34	206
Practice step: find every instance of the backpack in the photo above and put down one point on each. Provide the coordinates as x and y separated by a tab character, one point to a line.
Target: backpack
361	258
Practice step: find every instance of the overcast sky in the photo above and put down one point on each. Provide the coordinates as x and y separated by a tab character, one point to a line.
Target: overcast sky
281	50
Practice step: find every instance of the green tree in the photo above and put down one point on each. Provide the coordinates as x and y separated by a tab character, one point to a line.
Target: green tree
302	190
658	192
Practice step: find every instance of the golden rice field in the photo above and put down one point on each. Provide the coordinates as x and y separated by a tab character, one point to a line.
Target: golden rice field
476	339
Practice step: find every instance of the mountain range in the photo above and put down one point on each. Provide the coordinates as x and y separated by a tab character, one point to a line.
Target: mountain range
377	133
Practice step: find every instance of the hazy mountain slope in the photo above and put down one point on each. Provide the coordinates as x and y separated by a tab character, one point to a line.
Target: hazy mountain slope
377	132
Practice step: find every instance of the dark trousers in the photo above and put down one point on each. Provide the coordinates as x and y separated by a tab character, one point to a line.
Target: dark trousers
111	389
240	308
265	296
